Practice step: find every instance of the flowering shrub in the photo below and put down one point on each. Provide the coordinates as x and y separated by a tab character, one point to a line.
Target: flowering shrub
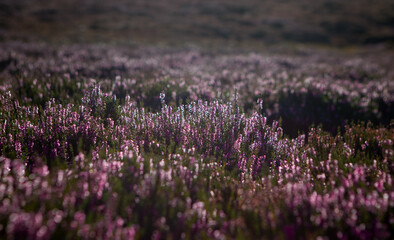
106	166
312	87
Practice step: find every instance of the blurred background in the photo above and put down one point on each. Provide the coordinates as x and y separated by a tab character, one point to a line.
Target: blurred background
248	22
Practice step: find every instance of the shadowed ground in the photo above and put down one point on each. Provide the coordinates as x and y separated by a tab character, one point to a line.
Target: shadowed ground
250	22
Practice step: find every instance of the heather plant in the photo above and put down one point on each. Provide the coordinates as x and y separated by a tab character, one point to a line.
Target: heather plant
99	162
329	89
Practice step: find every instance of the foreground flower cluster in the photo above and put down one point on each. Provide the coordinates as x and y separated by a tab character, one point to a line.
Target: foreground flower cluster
98	169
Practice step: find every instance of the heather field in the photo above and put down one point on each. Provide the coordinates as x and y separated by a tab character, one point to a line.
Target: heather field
181	119
103	142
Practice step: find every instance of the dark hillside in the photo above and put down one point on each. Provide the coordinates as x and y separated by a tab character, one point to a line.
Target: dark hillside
175	21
